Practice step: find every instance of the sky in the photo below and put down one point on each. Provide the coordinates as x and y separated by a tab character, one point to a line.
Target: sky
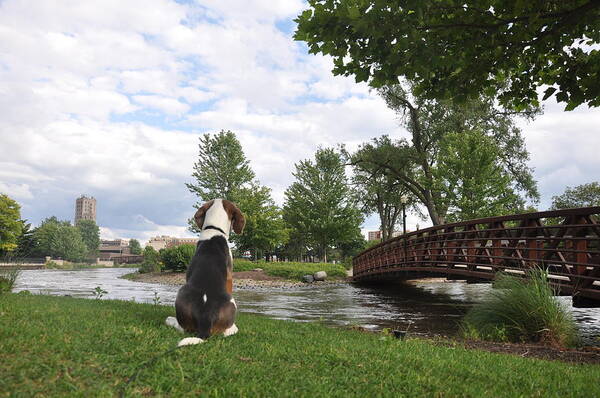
108	99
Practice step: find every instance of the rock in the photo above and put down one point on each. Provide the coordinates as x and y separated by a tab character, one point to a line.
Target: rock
308	279
257	269
320	275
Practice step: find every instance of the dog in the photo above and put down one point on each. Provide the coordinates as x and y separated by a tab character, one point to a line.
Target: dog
204	305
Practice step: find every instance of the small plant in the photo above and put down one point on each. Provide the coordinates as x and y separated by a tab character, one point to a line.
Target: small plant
99	292
521	310
8	280
156	299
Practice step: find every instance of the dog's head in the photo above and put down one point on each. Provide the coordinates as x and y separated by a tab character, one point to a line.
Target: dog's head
222	214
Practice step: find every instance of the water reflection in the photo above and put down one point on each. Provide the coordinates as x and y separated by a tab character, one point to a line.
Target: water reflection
422	307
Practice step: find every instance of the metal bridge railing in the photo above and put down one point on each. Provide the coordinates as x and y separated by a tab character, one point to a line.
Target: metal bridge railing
564	242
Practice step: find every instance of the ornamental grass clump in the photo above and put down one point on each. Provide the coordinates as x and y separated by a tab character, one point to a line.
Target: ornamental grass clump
8	280
522	310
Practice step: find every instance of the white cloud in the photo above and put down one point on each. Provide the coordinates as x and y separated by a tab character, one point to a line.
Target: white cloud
109	98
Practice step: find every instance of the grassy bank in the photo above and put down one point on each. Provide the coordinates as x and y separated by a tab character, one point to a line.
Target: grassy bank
291	270
59	346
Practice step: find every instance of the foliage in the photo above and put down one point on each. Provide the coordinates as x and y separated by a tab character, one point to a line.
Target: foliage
98	292
177	258
459	50
8	278
90	234
135	247
222	168
264	229
26	241
151	261
585	195
320	204
269	358
421	165
522	310
59	239
476	184
290	270
382	193
11	225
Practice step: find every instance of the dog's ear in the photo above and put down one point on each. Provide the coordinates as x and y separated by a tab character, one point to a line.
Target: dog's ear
237	218
201	212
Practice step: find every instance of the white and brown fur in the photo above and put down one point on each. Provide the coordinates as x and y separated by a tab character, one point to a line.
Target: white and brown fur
204	305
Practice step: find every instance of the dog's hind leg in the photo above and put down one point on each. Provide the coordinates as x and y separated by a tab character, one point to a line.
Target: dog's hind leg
172	321
230	331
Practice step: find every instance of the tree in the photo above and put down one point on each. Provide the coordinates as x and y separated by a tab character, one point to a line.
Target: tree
90	234
265	229
222	168
416	165
11	226
135	247
477	185
380	192
585	195
320	204
26	241
59	239
460	50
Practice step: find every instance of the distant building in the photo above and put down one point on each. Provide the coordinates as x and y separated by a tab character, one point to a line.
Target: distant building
114	248
85	208
164	242
374	235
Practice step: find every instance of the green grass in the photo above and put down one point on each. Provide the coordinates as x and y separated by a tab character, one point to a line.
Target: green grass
521	310
291	270
60	346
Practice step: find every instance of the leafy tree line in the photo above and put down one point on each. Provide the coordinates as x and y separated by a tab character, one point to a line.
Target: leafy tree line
319	219
53	237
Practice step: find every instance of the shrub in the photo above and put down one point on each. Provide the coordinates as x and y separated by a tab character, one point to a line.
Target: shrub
521	310
151	261
177	258
8	280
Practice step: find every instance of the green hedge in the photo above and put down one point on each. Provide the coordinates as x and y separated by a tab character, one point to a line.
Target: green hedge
177	258
290	270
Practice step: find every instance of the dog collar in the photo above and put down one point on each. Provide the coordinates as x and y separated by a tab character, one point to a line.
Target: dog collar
213	227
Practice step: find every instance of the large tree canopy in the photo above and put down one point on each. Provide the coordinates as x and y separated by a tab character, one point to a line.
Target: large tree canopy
320	204
439	168
460	49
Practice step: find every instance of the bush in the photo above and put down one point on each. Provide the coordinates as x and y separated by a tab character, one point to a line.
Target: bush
8	280
521	310
177	258
290	270
151	261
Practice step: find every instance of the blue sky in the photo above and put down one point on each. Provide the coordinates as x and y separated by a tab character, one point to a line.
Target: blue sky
109	98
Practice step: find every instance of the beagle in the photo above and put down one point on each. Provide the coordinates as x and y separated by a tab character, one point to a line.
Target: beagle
204	305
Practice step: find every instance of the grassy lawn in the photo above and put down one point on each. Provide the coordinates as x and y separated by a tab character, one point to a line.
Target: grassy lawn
60	346
291	270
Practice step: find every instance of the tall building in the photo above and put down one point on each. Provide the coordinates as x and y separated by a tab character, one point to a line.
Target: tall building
85	208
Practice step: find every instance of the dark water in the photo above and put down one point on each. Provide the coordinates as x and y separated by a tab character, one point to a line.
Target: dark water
426	307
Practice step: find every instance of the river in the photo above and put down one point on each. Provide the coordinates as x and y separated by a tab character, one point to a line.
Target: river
423	307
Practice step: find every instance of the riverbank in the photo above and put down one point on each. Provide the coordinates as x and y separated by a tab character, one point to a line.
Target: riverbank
60	346
241	280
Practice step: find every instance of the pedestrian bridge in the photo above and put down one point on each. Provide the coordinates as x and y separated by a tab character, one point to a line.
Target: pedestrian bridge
566	243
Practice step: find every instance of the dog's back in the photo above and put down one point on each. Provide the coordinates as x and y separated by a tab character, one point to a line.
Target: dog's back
203	305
